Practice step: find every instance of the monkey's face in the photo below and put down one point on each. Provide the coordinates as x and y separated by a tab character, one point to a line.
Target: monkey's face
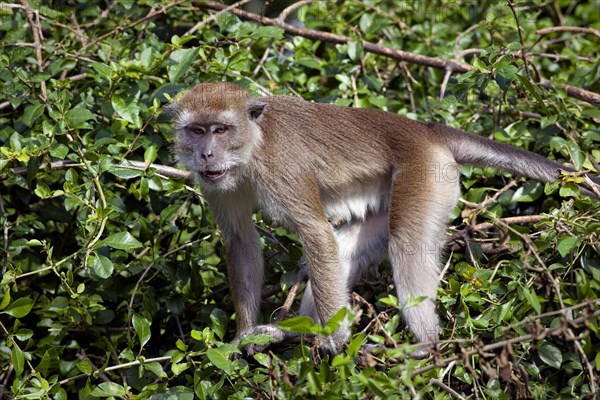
216	133
210	147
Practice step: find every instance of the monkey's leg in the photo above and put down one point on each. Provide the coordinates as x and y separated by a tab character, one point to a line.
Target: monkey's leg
422	198
360	243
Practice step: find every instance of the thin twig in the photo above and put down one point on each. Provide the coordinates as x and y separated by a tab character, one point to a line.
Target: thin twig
153	13
493	346
287	305
116	367
578	29
164	170
38	37
447	388
522	219
290	9
435	62
520	32
445	81
213	17
340	39
578	93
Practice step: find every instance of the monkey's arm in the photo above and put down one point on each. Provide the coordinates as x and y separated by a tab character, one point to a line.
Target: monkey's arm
243	254
245	270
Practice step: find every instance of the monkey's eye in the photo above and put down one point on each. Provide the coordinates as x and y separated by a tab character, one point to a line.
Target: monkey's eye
198	130
220	129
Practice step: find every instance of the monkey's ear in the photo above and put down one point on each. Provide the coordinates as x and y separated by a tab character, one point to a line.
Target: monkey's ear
255	108
171	110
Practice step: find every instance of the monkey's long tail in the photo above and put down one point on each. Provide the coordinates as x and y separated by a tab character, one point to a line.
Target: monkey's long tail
482	152
476	150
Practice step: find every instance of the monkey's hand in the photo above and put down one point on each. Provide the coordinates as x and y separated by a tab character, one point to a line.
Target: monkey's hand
334	344
277	336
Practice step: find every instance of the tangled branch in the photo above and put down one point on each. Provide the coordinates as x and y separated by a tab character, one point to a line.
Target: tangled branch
450	66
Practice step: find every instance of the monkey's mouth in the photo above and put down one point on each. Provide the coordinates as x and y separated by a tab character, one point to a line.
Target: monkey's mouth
213	176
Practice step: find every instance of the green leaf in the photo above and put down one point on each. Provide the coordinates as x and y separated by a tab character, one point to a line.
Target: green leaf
122	241
366	22
480	65
125	173
42	190
174	393
178	368
59	151
85	366
141	325
271	32
24	334
532	299
18	360
569	190
102	266
103	70
180	62
157	369
529	192
128	110
5	300
77	117
334	322
32	113
219	322
566	244
106	389
355	345
300	324
355	49
219	360
48	362
262	338
531	89
19	308
150	155
550	355
514	46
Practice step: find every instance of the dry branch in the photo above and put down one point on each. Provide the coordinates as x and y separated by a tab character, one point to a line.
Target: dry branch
164	170
434	62
340	39
577	29
580	322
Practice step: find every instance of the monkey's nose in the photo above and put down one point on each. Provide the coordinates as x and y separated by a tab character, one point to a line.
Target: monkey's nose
206	155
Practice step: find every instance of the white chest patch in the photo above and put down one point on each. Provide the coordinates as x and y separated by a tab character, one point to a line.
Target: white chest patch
355	202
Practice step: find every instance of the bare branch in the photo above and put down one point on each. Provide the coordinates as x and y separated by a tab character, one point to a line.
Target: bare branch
578	29
213	17
340	39
34	20
435	62
164	170
578	93
577	322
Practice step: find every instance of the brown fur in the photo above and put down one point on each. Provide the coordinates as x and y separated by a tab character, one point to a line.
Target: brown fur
392	180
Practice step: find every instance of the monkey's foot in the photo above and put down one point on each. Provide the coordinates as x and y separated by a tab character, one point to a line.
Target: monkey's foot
334	344
277	336
420	353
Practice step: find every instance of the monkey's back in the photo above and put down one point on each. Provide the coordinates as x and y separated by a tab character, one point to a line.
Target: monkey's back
331	140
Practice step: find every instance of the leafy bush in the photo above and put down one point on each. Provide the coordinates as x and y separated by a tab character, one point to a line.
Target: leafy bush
113	284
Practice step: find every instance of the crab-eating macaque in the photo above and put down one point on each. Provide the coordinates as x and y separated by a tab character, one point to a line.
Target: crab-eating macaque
392	180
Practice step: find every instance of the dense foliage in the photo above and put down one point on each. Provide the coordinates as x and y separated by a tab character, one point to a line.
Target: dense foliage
113	283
